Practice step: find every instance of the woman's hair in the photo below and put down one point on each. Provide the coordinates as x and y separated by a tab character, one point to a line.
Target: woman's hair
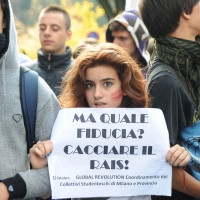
111	55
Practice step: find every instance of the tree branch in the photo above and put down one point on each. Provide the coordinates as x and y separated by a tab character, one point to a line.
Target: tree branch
120	5
107	8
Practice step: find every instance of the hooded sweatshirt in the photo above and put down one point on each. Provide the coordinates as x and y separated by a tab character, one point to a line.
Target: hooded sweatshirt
15	170
138	31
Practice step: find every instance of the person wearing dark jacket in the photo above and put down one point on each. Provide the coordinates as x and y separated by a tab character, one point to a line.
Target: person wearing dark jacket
54	58
176	91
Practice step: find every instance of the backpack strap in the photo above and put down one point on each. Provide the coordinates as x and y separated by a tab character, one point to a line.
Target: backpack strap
159	69
28	97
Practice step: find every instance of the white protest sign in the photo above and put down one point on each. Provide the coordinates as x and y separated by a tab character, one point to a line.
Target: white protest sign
109	152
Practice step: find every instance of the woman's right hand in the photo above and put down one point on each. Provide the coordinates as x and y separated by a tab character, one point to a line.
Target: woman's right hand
39	153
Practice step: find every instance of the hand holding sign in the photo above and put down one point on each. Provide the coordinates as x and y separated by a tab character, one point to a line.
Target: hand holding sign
39	153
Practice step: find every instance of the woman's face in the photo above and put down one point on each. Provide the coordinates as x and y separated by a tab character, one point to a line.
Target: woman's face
103	87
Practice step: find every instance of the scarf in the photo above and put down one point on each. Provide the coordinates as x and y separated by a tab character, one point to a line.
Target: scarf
183	56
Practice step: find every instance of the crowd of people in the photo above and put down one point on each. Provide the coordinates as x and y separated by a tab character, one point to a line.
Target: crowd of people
89	77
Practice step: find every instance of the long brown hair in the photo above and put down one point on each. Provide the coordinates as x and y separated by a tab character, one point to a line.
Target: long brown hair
129	73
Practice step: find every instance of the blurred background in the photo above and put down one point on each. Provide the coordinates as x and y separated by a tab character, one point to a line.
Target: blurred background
89	18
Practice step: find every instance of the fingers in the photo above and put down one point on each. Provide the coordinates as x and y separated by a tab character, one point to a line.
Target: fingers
178	156
184	162
42	149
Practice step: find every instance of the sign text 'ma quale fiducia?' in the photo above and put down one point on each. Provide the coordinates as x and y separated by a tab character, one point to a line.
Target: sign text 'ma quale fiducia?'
107	134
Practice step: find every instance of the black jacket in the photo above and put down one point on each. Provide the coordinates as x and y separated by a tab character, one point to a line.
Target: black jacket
179	111
51	67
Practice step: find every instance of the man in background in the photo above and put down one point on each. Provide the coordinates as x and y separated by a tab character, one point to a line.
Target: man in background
54	58
128	31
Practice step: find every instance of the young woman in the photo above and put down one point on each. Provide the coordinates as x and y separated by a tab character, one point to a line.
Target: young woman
104	76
